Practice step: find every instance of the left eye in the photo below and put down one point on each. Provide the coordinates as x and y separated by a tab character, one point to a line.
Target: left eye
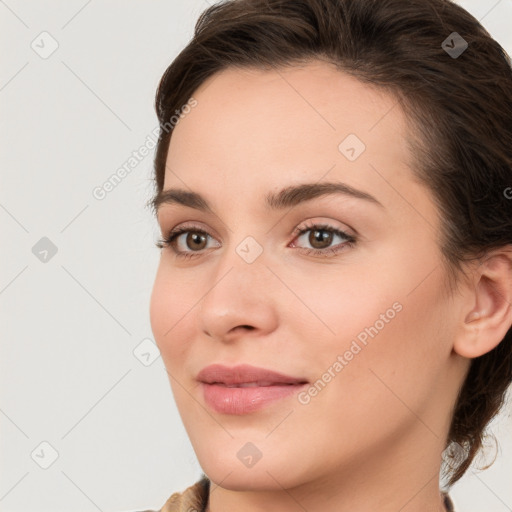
322	236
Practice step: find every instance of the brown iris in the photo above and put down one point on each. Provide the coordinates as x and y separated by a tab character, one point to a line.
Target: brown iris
320	236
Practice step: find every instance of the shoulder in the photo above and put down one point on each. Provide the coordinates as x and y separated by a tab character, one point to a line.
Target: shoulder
194	497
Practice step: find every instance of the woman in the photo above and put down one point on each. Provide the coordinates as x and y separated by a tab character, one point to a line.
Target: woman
333	300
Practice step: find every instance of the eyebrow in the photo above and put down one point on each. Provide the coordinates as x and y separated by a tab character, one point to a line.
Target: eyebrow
285	198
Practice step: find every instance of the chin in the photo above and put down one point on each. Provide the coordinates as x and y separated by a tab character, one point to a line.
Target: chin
235	478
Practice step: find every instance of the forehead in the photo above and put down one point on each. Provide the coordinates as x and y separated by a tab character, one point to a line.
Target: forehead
319	96
259	128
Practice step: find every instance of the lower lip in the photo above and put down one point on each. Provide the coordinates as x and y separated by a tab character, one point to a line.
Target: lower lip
245	400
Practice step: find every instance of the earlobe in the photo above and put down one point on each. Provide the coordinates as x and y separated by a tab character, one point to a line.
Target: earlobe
490	317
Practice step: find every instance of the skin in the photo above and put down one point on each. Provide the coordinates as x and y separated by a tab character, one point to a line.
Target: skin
372	439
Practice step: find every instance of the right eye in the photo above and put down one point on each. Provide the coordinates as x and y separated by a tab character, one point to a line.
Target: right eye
195	239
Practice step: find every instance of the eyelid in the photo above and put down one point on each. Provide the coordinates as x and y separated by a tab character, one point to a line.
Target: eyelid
326	224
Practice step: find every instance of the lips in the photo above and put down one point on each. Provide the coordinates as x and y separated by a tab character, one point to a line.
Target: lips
244	389
245	376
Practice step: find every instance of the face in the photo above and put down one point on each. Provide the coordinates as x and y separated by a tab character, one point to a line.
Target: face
345	292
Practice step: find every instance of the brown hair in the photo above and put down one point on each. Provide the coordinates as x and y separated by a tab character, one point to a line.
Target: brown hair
459	108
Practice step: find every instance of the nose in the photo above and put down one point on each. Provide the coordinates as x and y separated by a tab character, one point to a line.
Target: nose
241	299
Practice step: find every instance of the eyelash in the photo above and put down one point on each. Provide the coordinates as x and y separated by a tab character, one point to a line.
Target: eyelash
350	240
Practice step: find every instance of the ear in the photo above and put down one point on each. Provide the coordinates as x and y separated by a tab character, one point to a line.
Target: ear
488	315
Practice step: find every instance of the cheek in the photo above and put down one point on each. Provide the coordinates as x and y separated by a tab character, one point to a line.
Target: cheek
399	282
381	387
340	304
400	358
383	319
171	305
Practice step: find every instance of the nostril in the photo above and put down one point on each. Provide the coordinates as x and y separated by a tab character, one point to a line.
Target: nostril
245	327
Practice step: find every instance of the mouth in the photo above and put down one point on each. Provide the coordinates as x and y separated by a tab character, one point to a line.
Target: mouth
254	384
244	389
244	374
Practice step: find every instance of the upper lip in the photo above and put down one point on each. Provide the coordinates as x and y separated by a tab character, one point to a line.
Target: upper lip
244	373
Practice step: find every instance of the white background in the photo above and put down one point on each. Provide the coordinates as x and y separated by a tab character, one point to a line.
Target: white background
70	325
